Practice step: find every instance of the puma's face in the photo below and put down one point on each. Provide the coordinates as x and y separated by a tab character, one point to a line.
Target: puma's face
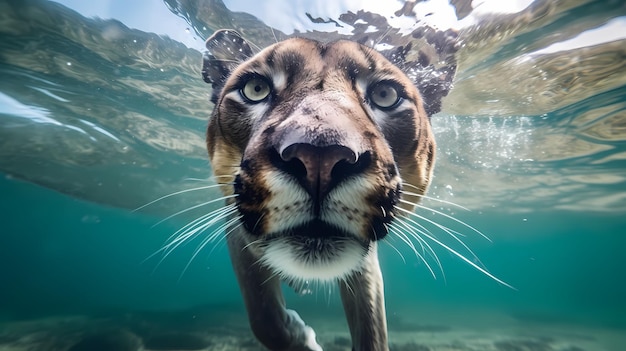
316	141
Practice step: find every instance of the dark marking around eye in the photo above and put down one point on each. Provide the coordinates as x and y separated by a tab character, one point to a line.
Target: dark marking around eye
351	68
406	115
233	107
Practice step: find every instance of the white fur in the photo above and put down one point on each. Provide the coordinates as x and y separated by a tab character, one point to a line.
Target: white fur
279	79
280	255
235	95
255	111
343	256
381	117
350	194
361	86
286	192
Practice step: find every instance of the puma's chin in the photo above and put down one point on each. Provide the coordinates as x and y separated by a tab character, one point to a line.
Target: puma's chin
314	257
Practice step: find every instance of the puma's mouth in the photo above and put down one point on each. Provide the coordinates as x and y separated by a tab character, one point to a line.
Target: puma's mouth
280	207
314	229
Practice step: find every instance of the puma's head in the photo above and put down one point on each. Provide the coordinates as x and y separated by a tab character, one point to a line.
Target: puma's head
317	141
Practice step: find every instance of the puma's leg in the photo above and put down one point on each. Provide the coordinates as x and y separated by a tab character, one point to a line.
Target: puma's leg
276	327
364	303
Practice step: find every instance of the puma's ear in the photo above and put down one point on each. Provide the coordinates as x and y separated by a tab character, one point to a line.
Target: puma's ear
226	50
432	69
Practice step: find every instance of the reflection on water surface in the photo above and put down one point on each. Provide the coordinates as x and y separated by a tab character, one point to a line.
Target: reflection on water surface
116	115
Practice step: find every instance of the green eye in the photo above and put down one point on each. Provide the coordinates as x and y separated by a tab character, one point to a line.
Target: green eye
256	90
384	95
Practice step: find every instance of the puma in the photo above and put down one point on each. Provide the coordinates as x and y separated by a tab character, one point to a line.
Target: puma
316	145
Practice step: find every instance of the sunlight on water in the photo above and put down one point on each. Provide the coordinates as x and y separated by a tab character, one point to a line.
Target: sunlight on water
10	106
613	30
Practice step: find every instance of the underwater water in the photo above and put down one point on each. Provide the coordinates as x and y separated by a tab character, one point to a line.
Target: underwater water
103	110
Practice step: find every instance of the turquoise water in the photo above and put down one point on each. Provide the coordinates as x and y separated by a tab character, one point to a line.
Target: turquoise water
99	117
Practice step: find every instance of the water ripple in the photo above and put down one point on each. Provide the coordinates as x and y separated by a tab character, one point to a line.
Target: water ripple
111	114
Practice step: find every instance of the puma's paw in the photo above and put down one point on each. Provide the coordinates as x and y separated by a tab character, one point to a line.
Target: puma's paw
308	334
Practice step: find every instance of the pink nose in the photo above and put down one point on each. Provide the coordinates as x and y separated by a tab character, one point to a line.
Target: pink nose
319	168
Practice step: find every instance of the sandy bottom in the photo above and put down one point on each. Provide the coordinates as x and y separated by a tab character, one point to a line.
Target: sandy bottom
220	330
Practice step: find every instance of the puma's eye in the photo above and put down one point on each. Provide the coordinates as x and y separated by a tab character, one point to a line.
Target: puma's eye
384	95
256	89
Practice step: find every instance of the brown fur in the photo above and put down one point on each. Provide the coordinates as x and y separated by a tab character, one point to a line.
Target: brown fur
319	98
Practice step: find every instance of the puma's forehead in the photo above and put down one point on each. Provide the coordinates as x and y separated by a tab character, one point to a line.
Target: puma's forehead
308	62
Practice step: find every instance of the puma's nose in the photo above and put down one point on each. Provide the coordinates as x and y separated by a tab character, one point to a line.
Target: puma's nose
320	168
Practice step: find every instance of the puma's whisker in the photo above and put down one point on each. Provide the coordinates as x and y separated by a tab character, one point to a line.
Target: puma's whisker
168	249
176	193
226	234
212	179
207	240
219	213
422	196
193	208
274	35
453	233
214	59
201	226
402	236
272	276
414	249
189	230
257	222
252	243
450	217
415	230
192	228
382	36
394	247
175	234
217	233
447	230
347	282
456	253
